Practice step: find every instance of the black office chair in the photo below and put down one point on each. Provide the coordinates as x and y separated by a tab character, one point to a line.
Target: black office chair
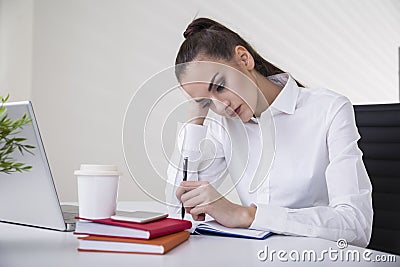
379	127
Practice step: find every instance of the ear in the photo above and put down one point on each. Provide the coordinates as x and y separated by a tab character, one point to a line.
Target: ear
243	57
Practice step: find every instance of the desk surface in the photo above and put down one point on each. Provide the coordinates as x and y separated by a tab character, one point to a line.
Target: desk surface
27	246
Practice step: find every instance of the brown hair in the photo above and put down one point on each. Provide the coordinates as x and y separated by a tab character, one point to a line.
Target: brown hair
208	37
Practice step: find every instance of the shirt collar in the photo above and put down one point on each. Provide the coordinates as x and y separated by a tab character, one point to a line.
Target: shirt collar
286	101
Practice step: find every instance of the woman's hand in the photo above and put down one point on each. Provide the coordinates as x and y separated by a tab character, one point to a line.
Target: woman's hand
198	111
200	198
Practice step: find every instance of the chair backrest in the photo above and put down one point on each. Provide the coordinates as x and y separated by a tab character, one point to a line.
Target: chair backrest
379	127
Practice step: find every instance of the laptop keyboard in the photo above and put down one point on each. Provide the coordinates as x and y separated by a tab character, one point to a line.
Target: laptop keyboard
69	216
69	212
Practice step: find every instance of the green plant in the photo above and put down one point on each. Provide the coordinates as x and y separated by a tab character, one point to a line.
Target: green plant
9	141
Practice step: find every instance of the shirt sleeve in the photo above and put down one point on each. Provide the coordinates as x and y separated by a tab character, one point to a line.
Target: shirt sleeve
349	213
206	160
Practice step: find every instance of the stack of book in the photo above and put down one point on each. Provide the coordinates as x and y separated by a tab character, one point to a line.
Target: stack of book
108	235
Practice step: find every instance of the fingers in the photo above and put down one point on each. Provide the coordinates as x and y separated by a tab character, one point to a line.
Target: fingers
193	184
188	186
191	194
199	217
192	201
198	213
196	216
194	195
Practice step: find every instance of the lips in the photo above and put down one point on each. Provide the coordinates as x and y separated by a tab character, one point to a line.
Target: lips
237	110
233	112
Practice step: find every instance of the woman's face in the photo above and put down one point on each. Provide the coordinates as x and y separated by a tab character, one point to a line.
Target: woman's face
224	87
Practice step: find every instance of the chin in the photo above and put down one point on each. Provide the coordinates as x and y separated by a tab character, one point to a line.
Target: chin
246	117
246	120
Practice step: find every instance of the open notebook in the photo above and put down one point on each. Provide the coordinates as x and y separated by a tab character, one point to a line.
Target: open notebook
214	228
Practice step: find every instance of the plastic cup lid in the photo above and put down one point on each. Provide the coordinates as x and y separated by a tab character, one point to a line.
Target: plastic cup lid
93	169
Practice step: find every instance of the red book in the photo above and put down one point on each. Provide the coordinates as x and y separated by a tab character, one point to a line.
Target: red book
109	227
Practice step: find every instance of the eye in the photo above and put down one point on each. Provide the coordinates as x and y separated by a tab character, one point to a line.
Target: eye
221	86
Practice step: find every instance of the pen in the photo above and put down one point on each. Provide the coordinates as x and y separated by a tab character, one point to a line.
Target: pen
185	165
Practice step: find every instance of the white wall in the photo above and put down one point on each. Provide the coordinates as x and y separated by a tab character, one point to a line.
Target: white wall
16	30
80	61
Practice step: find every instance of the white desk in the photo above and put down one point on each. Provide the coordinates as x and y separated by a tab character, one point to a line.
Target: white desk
27	246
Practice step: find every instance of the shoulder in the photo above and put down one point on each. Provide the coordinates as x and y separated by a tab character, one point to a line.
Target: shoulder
324	102
322	96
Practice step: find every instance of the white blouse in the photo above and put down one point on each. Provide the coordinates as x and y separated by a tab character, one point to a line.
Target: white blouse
299	164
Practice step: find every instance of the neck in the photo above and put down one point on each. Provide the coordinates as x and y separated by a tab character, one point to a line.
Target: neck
267	94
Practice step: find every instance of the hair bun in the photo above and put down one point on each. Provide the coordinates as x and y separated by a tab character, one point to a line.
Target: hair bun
189	31
199	25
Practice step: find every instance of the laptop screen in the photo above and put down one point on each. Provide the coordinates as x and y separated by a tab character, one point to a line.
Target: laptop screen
30	198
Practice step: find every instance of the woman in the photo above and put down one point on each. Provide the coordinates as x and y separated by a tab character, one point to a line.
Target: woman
316	186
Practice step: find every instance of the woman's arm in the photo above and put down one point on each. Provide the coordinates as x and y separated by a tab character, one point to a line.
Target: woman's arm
349	214
206	160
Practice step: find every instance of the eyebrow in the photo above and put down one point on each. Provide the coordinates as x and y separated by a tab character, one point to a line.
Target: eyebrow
209	87
212	82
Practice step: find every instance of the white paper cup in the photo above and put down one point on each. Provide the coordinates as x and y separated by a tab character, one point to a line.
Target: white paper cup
97	190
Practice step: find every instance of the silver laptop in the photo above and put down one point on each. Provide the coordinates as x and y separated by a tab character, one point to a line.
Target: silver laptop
30	198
